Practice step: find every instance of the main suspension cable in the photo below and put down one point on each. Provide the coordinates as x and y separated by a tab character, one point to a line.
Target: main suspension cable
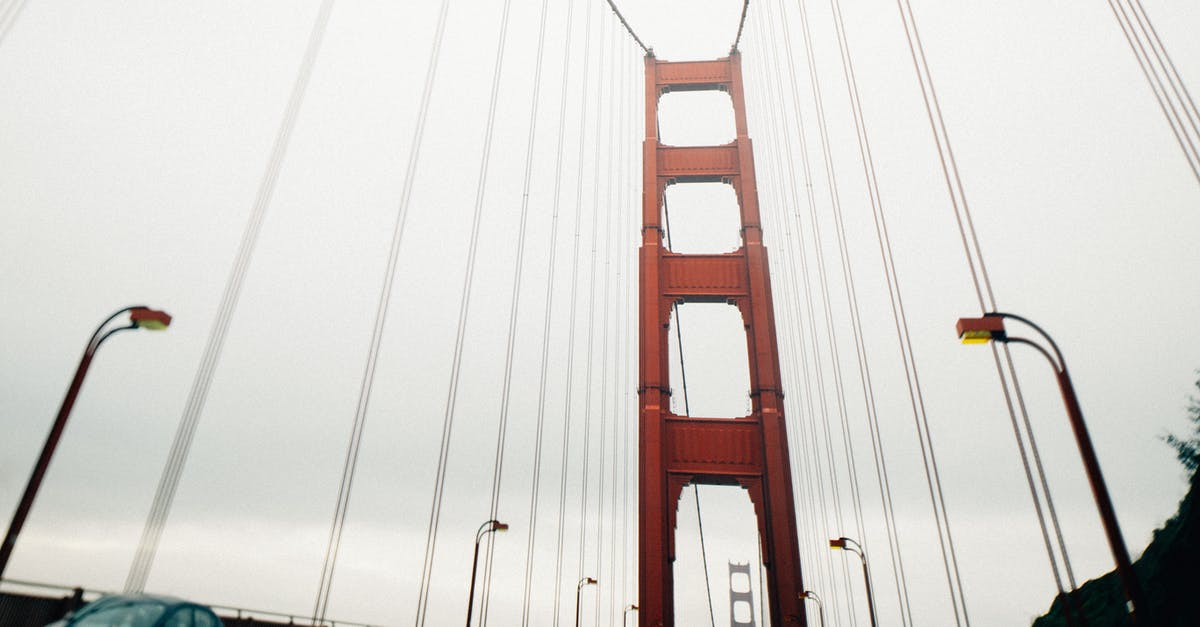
628	28
168	483
741	25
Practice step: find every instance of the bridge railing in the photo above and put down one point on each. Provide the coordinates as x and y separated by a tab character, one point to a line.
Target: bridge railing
23	603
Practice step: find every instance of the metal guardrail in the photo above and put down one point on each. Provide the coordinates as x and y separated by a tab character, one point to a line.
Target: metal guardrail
224	611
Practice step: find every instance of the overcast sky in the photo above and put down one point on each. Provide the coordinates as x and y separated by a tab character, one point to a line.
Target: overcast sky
133	137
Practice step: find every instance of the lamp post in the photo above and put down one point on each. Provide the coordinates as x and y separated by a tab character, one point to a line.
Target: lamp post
628	608
140	317
811	596
484	529
579	586
846	544
990	328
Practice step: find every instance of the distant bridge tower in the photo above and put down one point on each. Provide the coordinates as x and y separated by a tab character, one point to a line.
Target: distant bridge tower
675	451
740	596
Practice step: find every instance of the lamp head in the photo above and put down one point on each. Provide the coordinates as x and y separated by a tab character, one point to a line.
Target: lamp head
981	330
838	544
589	580
499	526
150	319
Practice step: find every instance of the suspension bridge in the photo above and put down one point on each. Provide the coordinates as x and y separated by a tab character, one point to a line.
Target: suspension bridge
429	362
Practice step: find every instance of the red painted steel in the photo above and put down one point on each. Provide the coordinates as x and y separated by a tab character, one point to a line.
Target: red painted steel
675	451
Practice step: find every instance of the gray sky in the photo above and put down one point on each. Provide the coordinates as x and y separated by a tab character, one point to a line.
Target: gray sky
132	139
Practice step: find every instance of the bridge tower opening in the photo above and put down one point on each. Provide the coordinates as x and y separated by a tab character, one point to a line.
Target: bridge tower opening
675	451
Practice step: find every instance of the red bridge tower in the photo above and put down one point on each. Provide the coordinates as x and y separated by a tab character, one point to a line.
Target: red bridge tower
674	451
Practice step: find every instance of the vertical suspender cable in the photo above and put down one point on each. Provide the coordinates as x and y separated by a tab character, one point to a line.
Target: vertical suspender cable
464	309
604	333
585	478
1177	85
626	386
570	367
1179	126
169	482
817	510
975	262
616	180
518	275
797	358
591	317
368	379
531	539
687	411
830	329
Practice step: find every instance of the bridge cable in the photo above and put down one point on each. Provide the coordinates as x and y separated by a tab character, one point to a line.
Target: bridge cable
847	275
814	494
798	360
687	411
1190	106
185	433
1164	57
368	378
885	247
9	14
1151	72
1068	610
604	326
977	267
535	487
518	275
570	366
885	250
741	26
459	341
620	307
794	361
630	310
628	28
893	285
933	476
826	299
585	471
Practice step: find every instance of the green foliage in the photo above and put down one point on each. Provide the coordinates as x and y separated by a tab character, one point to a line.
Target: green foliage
1187	449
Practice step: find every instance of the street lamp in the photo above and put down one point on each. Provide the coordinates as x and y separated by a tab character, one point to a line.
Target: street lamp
990	327
628	608
579	586
846	544
812	596
140	317
484	529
